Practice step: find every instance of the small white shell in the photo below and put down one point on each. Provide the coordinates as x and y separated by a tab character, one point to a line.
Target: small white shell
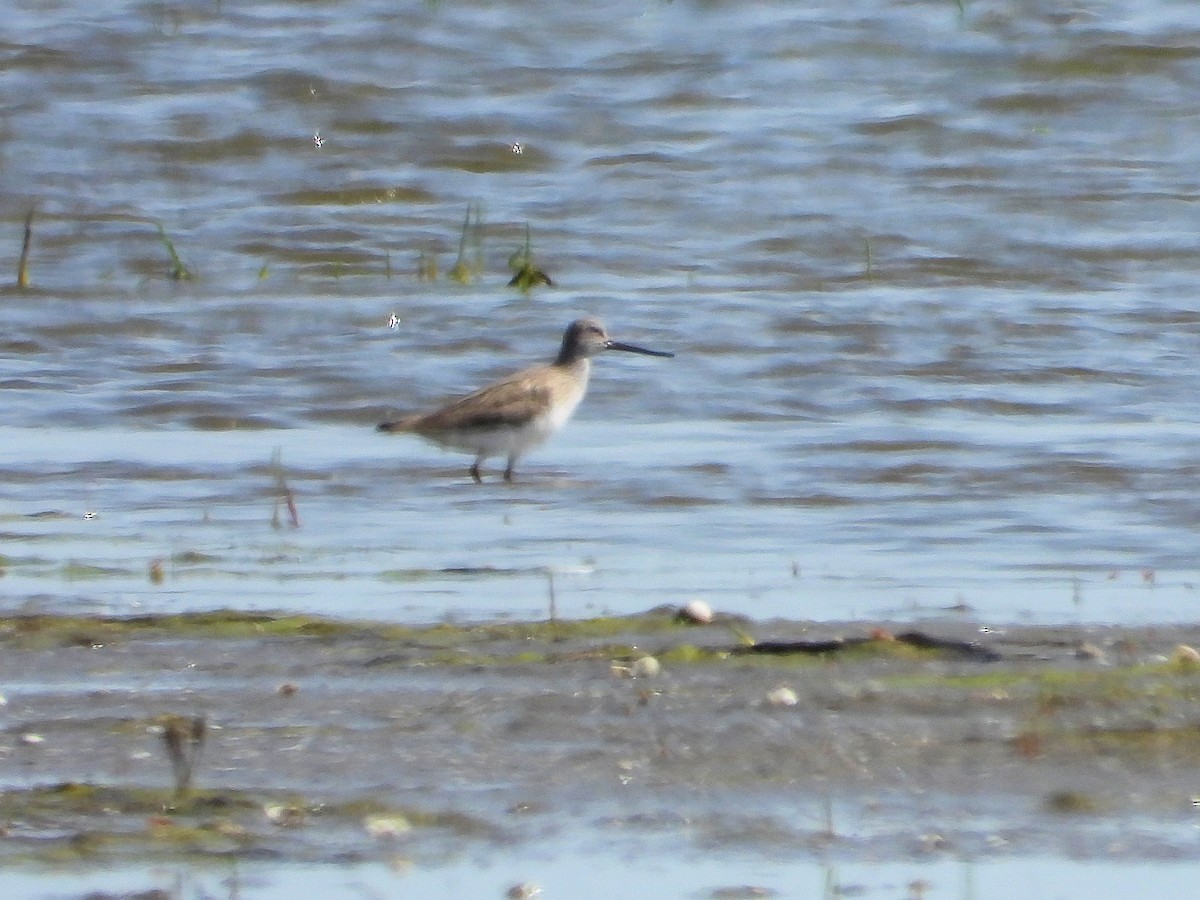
782	696
696	611
646	667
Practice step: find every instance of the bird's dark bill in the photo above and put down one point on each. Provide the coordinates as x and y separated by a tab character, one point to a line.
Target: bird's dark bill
630	348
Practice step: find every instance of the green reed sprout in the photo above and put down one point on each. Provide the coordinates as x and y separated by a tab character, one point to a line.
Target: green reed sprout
466	271
23	263
179	271
527	276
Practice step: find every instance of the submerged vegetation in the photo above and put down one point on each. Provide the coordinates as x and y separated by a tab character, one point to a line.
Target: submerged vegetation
230	624
91	821
526	275
469	266
179	271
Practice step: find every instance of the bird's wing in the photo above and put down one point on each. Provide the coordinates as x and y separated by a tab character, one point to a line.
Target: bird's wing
511	402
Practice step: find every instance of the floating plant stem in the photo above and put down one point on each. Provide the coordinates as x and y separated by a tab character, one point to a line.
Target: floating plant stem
184	739
461	270
283	492
553	602
869	255
527	276
464	271
179	271
23	263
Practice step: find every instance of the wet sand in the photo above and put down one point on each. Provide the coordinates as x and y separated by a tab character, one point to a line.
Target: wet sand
345	742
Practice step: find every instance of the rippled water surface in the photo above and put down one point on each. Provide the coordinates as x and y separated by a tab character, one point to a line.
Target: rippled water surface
928	268
929	274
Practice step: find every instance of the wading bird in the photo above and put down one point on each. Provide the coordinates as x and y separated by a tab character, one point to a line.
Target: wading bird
514	415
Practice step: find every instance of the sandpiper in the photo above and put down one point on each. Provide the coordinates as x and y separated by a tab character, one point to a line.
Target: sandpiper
515	414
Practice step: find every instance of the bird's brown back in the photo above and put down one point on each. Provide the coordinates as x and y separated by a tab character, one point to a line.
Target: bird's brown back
513	401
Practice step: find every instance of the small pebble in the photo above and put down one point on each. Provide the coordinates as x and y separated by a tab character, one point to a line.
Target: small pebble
646	667
1186	655
696	611
284	816
782	696
523	891
933	841
387	826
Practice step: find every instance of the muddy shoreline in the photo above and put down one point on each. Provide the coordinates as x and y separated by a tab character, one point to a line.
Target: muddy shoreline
331	741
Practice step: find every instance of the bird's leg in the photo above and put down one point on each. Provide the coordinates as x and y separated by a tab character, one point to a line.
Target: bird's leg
508	472
475	471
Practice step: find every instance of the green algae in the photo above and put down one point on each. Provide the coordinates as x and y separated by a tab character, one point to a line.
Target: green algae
76	822
1058	687
375	194
179	271
526	274
1183	740
686	654
73	571
74	798
65	630
659	631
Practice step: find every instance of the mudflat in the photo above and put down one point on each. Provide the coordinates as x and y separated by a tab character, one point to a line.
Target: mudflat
295	739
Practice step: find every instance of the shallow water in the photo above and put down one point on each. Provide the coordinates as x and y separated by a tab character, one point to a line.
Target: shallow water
929	274
483	878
